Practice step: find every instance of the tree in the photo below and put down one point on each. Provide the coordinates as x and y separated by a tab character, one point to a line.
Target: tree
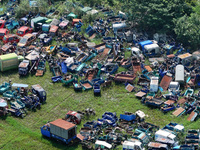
188	30
156	15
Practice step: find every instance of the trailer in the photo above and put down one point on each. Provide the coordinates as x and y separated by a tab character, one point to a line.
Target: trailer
60	130
179	74
9	61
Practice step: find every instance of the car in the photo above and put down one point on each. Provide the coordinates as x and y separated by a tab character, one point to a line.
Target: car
2	23
7	48
24	30
3	32
11	38
26	40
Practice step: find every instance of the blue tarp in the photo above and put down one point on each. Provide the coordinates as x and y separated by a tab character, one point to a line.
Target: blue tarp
143	43
63	67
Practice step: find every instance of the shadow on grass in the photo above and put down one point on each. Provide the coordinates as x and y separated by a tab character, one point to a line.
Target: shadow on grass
59	144
8	73
3	117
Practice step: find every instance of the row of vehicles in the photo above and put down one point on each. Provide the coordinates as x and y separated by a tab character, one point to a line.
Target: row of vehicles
22	38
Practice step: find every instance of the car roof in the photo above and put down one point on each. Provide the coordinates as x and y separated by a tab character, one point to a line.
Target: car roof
3	30
28	35
2	20
23	28
10	35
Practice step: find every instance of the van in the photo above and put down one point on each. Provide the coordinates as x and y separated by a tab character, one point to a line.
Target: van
179	74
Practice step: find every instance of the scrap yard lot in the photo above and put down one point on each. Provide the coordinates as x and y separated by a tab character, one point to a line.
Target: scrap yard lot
80	75
25	133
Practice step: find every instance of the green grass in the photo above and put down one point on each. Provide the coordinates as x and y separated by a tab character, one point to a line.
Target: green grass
25	133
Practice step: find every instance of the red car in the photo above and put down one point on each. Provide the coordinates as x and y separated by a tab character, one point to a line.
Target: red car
10	38
2	23
24	30
3	32
7	48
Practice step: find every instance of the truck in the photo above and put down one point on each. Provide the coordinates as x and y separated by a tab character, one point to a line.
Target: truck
166	137
36	23
60	130
9	61
154	84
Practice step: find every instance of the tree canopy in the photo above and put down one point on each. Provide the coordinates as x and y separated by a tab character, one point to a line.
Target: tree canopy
188	30
156	15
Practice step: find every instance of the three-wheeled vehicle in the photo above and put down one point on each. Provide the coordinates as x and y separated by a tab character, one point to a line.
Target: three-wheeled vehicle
73	117
21	88
40	92
23	68
3	107
4	87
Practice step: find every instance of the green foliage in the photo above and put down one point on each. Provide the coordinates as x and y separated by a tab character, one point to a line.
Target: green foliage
196	8
188	30
156	15
24	8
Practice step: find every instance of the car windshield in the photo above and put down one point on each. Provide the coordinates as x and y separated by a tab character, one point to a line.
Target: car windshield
23	40
20	32
43	93
1	34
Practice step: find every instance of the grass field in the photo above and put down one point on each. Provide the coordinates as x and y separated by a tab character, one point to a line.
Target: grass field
24	133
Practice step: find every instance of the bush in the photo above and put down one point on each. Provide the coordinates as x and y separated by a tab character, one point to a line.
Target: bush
24	8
